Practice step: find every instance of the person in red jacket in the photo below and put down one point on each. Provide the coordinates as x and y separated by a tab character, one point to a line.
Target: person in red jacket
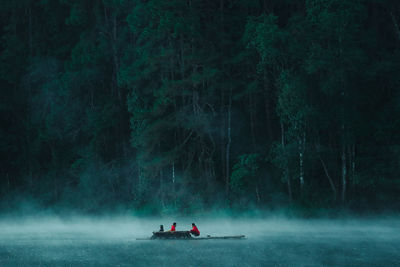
173	227
194	230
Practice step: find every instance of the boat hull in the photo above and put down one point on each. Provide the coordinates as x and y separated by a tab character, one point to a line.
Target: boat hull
185	235
172	235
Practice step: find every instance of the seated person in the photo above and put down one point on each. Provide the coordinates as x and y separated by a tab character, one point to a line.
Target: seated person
194	230
173	227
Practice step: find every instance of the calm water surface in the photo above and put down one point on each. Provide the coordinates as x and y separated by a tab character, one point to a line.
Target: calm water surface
268	243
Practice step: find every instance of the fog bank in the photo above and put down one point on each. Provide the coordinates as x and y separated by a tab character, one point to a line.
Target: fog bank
132	227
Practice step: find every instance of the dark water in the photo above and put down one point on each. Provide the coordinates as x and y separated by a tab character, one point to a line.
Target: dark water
268	243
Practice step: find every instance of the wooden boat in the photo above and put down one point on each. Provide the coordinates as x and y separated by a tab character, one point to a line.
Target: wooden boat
185	235
171	235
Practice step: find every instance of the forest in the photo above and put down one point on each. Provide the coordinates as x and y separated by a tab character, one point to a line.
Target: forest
184	106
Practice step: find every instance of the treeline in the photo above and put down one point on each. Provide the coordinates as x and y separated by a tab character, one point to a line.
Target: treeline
185	105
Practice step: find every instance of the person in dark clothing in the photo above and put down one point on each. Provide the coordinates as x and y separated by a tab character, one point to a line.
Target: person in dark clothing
173	227
194	230
161	228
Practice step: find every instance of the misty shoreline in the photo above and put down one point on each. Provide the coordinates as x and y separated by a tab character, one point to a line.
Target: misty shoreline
328	215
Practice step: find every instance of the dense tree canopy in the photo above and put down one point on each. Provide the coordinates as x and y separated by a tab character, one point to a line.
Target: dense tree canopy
188	105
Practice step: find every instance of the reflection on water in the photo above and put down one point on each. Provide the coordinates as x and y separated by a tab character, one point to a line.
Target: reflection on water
90	242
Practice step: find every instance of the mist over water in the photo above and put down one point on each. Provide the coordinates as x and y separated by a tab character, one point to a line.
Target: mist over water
53	241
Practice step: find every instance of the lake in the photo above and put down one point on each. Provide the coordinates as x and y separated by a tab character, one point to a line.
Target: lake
269	242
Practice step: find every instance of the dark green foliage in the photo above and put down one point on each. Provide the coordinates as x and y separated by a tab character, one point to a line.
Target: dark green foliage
183	106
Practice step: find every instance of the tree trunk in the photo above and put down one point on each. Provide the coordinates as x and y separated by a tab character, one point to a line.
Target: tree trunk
222	105
162	190
228	145
173	183
344	128
258	195
252	120
344	173
173	172
286	170
302	140
268	108
115	55
140	181
353	164
332	185
351	167
222	134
